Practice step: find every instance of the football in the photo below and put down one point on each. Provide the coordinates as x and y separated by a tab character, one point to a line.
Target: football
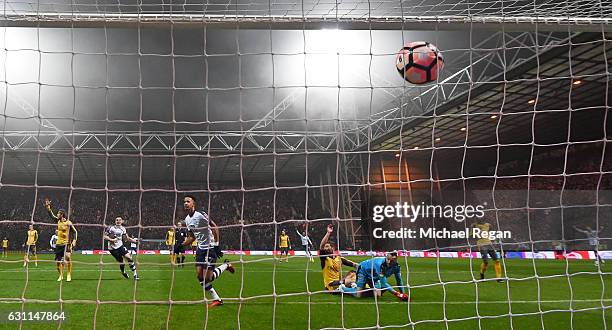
419	62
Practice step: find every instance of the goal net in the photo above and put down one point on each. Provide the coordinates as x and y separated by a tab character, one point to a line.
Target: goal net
290	118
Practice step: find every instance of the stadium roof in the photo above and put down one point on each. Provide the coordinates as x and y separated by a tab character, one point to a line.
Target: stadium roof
281	156
530	103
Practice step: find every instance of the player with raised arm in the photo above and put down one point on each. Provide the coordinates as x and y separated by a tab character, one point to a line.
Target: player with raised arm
30	246
66	240
485	245
114	235
331	266
199	228
170	242
306	243
180	233
284	243
593	236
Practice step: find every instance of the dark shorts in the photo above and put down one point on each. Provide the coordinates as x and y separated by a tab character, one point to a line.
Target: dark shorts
179	248
284	250
60	250
486	251
31	249
206	258
119	253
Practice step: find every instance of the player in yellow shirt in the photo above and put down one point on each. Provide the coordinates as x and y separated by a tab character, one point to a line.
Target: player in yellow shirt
66	240
285	245
30	246
5	246
194	247
170	241
331	265
486	249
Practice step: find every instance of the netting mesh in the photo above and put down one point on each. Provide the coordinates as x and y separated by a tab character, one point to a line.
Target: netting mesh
275	125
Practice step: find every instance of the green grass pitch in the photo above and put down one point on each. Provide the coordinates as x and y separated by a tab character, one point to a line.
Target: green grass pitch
440	290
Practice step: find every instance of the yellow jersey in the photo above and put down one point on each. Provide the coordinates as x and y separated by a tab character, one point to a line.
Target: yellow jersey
331	271
5	243
170	239
284	241
32	237
483	227
63	232
63	228
194	243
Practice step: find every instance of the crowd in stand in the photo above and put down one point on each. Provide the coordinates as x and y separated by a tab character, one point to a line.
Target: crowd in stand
249	220
572	190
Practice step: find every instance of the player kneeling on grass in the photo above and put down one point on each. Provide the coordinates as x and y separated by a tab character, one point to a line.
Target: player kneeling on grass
331	265
374	272
114	235
199	227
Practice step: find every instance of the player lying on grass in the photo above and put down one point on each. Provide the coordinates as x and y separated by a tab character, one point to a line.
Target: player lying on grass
200	228
486	249
66	240
331	265
374	272
114	236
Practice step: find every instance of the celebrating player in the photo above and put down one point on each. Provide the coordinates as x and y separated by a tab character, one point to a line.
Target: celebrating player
486	249
65	241
170	241
30	245
114	235
179	249
306	244
331	265
285	245
199	228
593	236
374	272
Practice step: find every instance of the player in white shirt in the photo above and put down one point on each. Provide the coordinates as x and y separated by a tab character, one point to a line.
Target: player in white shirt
134	248
199	228
53	240
114	235
306	244
593	236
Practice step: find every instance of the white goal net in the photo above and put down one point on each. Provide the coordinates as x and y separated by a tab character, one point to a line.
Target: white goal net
281	116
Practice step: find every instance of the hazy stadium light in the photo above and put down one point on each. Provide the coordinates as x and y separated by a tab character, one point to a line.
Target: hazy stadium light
577	82
415	148
397	155
438	139
493	116
462	129
532	101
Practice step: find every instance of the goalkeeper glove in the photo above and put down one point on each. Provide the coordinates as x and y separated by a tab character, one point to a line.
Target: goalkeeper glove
400	296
